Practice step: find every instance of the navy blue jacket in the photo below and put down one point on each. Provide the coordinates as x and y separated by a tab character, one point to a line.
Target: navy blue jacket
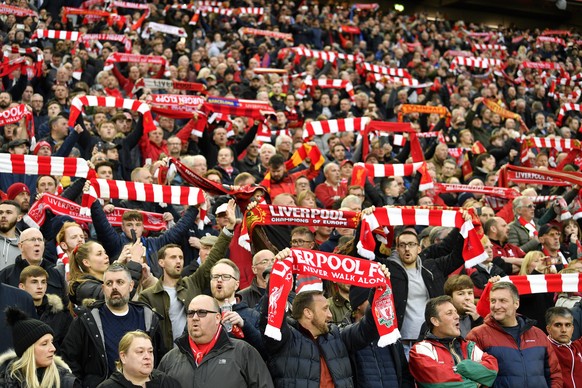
11	296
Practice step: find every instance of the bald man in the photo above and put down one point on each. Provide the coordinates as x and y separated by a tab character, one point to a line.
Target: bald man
220	361
261	261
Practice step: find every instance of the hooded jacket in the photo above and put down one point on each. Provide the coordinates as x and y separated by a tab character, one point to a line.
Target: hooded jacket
9	250
68	380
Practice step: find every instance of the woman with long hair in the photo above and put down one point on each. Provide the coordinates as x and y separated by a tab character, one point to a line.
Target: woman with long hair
88	263
33	363
135	366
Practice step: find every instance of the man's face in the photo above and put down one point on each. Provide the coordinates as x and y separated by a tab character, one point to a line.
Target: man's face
225	158
174	147
9	216
392	190
116	288
219	137
486	214
35	286
37	102
441	152
23	200
339	153
503	307
202	329
157	136
46	184
300	240
204	251
172	263
262	260
408	249
112	154
320	315
5	100
105	172
53	110
462	299
253	150
561	329
31	245
107	131
74	236
265	154
551	240
128	225
332	174
447	323
144	176
277	174
526	210
221	288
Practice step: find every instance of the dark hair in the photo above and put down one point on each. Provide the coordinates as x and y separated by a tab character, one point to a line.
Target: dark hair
553	312
50	176
105	163
276	161
162	251
32	271
302	301
457	283
409	233
431	309
12	202
132	215
489	224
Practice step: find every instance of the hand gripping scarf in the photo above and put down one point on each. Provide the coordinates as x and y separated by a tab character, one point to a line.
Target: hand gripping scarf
363	170
56	34
377	128
15	114
112	102
566	108
297	216
146	192
36	216
473	252
340	268
534	284
309	83
43	165
34	52
506	114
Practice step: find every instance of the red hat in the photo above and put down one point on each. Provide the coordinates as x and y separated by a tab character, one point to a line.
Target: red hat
16	189
41	144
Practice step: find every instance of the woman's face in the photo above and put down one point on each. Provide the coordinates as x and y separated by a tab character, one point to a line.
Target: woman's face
139	358
44	351
533	264
308	202
570	229
98	261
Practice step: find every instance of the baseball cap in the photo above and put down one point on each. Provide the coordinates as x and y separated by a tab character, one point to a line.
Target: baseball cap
547	228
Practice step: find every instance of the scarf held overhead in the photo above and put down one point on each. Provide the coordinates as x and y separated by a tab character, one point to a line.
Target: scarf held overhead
473	251
43	165
344	269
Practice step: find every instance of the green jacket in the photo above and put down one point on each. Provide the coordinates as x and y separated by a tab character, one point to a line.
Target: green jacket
186	289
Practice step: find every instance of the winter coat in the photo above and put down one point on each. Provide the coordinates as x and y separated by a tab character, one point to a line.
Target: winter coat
53	313
530	363
187	288
251	295
68	380
84	346
56	283
519	235
230	363
570	356
433	364
157	380
294	361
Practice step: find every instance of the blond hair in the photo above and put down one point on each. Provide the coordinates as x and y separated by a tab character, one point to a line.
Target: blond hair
125	344
529	257
24	370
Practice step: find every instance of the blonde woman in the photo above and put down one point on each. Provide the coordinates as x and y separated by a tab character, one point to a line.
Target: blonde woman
536	261
33	363
135	366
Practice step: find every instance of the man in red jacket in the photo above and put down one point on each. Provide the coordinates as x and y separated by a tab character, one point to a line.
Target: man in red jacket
560	326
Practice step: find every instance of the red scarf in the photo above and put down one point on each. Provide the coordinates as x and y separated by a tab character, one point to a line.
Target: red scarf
201	350
56	34
530	226
314	128
361	170
473	251
565	108
43	165
271	34
515	174
125	57
345	269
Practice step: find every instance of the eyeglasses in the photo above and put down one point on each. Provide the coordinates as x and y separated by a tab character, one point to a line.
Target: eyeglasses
265	262
33	239
201	313
409	245
530	206
301	242
223	277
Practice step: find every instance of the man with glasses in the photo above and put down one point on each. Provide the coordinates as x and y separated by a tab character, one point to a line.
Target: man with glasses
262	260
31	246
172	292
417	278
523	230
206	356
90	347
236	314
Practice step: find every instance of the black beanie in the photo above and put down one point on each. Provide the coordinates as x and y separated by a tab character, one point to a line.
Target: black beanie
25	331
358	295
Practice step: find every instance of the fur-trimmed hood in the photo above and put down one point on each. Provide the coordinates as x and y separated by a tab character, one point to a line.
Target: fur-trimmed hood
10	355
55	303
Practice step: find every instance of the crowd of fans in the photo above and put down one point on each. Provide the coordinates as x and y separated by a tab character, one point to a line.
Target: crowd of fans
109	300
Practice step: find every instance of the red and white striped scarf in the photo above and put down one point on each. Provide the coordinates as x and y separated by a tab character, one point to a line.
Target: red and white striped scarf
489	47
43	165
550	39
540	65
381	128
126	4
56	34
566	108
530	226
329	56
153	27
473	251
534	284
178	101
137	58
316	128
412	82
334	267
32	51
145	192
271	34
386	170
309	83
156	83
80	102
111	37
481	63
19	12
393	72
250	11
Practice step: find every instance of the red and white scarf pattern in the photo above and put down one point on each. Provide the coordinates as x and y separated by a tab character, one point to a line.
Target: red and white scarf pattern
316	128
43	165
271	34
309	83
56	34
393	72
386	170
137	58
345	269
566	108
473	251
530	226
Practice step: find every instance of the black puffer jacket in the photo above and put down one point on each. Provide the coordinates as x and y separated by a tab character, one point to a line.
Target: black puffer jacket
157	380
295	360
68	380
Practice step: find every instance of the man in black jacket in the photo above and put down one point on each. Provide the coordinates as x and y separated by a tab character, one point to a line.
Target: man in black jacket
91	345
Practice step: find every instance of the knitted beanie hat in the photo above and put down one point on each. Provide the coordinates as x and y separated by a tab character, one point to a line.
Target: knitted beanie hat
25	331
16	189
